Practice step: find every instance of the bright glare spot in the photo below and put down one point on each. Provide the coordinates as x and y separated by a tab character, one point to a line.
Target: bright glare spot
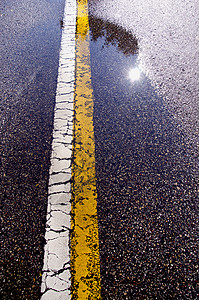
134	74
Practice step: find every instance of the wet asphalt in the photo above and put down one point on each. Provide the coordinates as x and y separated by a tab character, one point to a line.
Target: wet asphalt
147	180
30	36
146	167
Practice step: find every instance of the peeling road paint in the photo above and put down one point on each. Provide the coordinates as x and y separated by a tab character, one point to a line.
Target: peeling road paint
73	224
56	270
85	263
141	172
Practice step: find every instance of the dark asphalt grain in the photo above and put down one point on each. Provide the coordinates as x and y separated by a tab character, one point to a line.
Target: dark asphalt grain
30	34
146	184
146	169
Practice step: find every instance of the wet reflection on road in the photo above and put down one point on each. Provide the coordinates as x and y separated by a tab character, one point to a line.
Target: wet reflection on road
114	35
147	194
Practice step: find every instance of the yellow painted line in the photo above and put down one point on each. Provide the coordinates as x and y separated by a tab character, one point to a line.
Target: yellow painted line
85	261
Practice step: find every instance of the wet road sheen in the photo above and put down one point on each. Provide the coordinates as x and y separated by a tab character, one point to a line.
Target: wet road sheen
146	163
30	35
147	189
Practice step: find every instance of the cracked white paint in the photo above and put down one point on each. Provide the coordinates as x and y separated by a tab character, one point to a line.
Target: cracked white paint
56	269
60	136
60	198
59	165
51	294
60	114
59	178
58	220
63	106
59	188
61	150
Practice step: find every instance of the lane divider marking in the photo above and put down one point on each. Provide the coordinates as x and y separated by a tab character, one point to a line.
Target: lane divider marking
72	223
85	261
56	277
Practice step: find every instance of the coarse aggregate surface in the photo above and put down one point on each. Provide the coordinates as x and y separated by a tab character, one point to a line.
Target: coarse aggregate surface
168	37
146	143
147	180
30	35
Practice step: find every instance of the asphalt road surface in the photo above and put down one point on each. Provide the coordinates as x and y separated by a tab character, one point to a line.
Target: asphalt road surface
144	71
30	42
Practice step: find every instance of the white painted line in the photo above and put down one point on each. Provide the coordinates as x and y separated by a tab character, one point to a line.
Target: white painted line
56	278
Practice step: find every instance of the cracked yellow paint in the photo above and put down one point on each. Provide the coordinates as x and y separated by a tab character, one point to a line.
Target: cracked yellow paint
85	261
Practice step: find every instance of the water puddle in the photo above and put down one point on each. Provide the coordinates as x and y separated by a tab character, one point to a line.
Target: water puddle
146	189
